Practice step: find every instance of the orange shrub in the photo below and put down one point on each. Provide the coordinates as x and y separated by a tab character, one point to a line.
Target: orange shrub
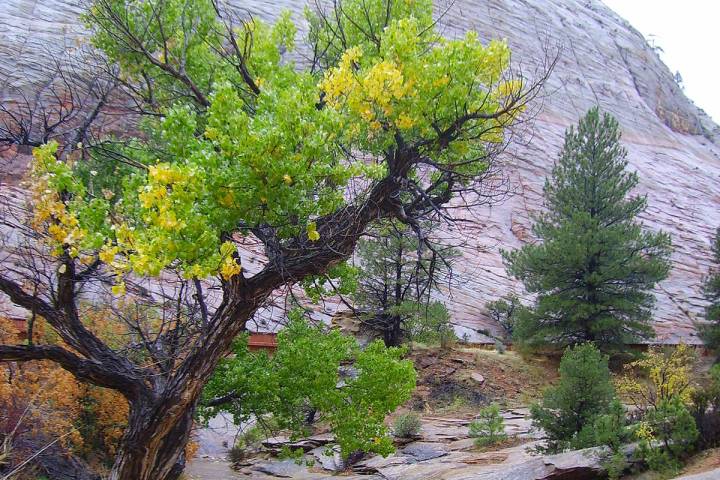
41	402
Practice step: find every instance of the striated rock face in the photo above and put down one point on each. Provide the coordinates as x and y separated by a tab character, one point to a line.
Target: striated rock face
673	145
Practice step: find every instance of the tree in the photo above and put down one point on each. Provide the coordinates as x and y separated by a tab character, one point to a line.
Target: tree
505	311
710	332
397	277
595	265
489	428
570	409
304	374
239	147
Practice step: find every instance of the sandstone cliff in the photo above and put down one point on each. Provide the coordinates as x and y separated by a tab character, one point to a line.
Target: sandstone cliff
673	145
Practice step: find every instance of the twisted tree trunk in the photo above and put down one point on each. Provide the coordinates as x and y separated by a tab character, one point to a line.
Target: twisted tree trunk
153	447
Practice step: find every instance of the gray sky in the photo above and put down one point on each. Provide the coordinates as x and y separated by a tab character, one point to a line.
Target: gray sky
689	34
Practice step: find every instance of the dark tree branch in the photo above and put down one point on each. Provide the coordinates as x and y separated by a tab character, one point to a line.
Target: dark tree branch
83	369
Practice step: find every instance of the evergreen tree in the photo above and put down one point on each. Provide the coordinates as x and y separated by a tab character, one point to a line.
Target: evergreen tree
710	331
595	265
396	284
570	409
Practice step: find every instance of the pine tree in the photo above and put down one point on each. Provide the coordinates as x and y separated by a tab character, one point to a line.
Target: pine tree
583	394
397	284
595	265
710	331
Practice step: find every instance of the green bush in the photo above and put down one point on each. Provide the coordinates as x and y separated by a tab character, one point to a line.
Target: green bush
304	374
584	392
489	428
611	430
615	465
667	435
407	425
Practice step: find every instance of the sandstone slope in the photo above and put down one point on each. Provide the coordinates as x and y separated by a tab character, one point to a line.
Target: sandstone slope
673	145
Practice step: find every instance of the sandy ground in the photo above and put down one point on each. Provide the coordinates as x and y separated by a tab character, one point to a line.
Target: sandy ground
210	469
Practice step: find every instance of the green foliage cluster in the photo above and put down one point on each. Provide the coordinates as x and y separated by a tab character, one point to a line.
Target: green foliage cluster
407	425
595	266
667	435
489	427
304	374
612	431
570	409
236	137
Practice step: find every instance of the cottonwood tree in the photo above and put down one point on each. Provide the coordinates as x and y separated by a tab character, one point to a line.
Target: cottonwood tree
239	145
595	265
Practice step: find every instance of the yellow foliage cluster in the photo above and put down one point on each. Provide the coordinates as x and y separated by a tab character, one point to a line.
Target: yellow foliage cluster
51	216
372	95
658	376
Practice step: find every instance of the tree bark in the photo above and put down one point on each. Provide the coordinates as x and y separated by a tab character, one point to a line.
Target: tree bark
153	447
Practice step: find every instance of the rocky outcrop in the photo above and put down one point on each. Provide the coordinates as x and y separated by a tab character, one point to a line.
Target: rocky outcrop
673	145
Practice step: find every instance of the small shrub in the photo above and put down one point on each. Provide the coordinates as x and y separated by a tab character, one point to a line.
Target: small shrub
500	347
407	425
667	435
570	409
611	430
251	438
615	465
297	455
237	454
489	428
658	376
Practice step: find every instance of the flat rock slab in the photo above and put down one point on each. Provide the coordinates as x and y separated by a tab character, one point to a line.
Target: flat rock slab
281	469
332	462
711	475
307	444
422	451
